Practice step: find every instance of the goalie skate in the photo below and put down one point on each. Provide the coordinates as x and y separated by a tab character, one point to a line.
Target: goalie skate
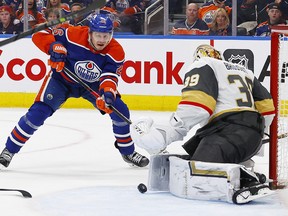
248	194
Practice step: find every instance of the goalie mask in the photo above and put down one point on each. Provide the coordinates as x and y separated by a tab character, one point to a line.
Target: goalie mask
206	50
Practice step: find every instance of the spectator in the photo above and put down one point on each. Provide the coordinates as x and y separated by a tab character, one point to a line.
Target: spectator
7	24
63	8
78	20
40	4
284	7
34	16
14	4
54	14
221	23
275	18
192	25
129	13
252	10
207	10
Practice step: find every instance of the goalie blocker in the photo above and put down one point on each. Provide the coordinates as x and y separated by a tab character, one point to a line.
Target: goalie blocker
205	181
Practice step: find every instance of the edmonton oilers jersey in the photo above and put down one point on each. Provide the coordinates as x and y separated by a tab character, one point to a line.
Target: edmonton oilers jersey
88	64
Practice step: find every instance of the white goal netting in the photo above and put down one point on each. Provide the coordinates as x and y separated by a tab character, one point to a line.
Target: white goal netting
279	91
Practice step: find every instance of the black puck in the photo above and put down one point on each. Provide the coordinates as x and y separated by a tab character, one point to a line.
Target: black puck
142	188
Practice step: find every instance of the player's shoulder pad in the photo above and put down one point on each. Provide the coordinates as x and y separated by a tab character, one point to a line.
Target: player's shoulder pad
115	51
201	62
78	34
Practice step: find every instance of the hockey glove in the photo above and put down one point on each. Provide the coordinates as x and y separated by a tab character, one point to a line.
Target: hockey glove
108	96
58	54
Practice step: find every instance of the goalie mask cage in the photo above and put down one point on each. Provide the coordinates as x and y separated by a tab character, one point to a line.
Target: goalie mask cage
278	153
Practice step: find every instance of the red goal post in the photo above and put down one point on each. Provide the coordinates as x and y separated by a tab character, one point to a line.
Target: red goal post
278	153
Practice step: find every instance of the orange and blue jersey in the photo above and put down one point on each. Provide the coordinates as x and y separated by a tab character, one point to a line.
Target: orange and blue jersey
198	28
93	67
207	10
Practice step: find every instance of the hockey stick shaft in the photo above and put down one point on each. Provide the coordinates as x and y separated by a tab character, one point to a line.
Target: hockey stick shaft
24	193
281	136
94	5
96	95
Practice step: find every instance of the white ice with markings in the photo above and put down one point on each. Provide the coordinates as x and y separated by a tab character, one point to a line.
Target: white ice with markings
70	167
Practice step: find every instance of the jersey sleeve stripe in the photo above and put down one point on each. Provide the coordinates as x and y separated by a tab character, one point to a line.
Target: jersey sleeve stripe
196	104
197	97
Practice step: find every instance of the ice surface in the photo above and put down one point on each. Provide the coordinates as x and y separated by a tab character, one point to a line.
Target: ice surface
71	168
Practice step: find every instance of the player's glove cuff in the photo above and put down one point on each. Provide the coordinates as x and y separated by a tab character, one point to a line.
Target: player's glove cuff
58	54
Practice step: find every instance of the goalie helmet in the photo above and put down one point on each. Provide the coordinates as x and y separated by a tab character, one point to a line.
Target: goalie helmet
206	50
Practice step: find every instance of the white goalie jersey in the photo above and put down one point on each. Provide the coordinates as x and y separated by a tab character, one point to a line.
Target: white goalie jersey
219	86
212	87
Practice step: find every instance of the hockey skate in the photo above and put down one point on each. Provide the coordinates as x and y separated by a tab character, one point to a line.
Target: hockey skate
136	159
5	157
248	194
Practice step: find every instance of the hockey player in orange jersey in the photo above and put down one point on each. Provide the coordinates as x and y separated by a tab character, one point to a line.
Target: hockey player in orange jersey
97	59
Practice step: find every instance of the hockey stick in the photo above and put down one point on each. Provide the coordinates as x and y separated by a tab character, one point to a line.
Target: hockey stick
281	136
95	94
24	193
94	5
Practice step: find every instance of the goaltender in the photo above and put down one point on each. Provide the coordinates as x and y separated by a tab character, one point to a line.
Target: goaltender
233	109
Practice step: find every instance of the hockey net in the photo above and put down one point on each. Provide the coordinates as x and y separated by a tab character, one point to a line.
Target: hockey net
278	161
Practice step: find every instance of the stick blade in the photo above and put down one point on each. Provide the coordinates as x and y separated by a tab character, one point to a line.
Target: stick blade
24	193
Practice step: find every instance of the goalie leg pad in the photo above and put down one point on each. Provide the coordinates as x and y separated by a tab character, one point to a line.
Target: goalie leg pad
159	169
158	177
203	180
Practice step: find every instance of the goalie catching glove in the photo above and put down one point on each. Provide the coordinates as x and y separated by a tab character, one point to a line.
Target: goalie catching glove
108	96
154	138
58	54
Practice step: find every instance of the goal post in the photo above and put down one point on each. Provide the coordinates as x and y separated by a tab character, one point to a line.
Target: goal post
278	150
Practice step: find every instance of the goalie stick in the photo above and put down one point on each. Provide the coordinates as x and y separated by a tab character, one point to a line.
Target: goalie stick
24	193
95	94
96	4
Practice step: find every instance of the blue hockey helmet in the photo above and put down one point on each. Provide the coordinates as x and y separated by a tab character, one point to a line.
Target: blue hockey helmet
101	23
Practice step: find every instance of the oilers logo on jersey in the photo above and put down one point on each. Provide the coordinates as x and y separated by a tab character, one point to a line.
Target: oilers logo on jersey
87	70
208	17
